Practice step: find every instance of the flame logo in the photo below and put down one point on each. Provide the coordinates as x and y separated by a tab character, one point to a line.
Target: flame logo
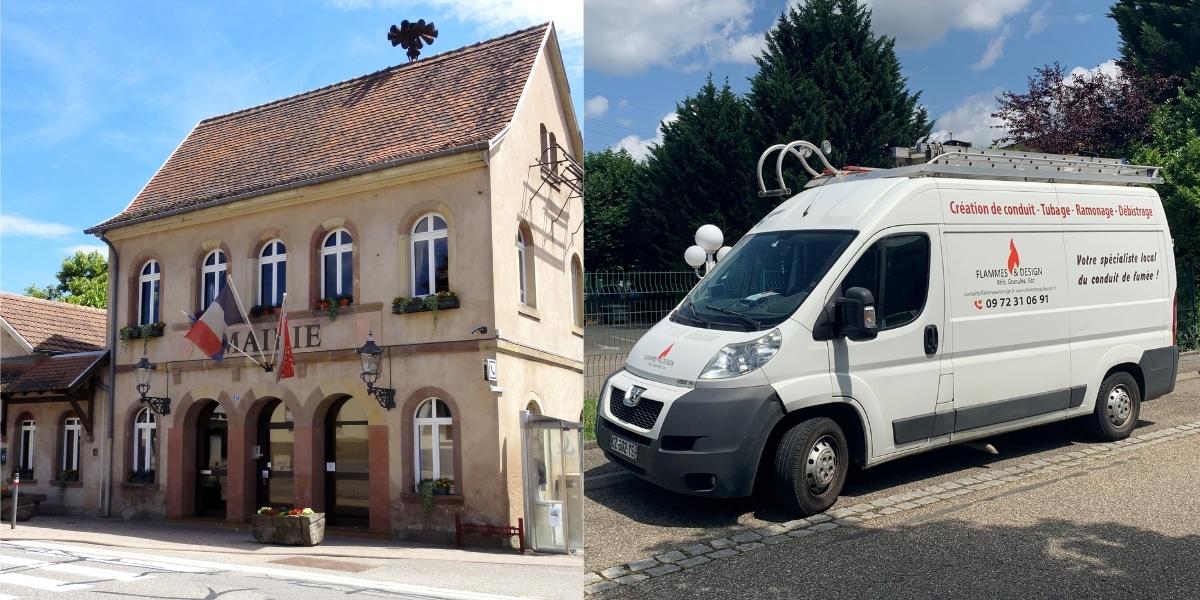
666	352
1014	259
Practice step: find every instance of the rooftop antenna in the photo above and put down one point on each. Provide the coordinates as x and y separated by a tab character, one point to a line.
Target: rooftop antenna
413	36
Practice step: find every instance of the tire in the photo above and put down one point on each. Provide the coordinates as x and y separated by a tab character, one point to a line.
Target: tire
1118	405
811	463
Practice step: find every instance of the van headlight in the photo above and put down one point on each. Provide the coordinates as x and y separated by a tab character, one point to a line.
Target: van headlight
739	359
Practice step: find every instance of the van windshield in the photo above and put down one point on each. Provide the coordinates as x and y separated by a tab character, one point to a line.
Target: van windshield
763	280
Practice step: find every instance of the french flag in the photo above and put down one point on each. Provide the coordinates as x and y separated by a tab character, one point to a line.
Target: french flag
208	332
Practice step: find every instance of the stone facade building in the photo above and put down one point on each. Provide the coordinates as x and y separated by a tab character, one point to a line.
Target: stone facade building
448	183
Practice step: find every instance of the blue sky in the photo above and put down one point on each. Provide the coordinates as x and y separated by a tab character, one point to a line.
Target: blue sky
95	95
643	56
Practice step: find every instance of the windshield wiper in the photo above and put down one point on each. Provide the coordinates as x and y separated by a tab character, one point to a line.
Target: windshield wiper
696	316
734	313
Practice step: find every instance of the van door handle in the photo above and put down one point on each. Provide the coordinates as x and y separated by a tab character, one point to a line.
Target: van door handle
931	340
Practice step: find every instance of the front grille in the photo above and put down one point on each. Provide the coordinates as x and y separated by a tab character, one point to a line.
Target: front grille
644	415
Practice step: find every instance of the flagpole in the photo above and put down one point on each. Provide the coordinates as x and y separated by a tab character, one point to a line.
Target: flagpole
231	345
277	359
238	300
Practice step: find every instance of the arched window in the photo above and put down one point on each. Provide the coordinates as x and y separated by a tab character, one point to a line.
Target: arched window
148	293
28	448
212	277
430	256
68	467
433	437
145	436
337	267
526	274
272	273
577	289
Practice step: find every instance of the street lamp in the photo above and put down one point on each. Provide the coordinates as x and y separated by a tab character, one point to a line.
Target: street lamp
708	249
371	354
142	372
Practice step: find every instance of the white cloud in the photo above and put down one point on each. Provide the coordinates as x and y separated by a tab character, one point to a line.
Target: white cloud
993	52
595	107
1039	21
86	248
971	120
628	36
744	49
1108	67
640	147
11	224
916	24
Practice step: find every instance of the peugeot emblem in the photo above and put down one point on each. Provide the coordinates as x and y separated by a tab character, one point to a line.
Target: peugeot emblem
633	396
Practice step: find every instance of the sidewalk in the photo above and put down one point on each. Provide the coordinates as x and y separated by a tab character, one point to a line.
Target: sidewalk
475	569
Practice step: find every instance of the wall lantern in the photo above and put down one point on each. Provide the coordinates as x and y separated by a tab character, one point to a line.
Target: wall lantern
371	354
142	372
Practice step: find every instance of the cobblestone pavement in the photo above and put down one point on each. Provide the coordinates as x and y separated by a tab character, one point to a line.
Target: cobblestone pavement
673	537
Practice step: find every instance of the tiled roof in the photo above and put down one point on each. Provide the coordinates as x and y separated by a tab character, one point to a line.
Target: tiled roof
51	326
55	373
447	101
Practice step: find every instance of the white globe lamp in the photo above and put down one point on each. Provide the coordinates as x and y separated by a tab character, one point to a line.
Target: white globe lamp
722	252
695	256
709	238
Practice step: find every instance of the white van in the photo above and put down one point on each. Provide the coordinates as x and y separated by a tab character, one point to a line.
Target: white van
884	313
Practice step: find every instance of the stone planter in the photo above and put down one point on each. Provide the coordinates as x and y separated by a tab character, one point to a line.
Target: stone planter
303	530
27	504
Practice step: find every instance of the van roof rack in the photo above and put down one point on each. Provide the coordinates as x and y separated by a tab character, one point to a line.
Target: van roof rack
941	160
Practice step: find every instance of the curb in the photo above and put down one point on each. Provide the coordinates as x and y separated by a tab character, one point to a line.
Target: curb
750	539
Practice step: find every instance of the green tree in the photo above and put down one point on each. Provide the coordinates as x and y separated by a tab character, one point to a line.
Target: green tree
1158	38
702	172
1175	146
611	178
83	279
825	76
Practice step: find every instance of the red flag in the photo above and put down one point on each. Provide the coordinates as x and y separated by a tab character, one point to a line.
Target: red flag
285	363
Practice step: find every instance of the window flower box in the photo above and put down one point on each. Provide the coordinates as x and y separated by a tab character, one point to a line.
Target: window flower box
296	527
141	476
68	475
142	332
434	302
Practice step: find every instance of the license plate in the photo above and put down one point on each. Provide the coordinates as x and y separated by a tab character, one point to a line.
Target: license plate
623	447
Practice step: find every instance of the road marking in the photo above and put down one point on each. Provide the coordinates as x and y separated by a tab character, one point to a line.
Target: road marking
40	583
204	566
101	558
72	569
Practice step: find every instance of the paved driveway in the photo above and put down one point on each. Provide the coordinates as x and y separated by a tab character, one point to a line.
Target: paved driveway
1052	500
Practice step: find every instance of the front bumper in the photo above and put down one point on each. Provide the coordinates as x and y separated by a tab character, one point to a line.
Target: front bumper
708	443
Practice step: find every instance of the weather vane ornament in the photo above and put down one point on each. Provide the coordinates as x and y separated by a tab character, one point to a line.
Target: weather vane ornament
413	36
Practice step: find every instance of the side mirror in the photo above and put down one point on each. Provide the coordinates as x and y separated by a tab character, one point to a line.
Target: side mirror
856	318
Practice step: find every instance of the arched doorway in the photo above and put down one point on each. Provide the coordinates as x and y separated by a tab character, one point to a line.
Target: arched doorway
274	457
212	460
347	476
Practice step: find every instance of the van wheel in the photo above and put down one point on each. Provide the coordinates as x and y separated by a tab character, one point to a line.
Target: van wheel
1117	407
810	466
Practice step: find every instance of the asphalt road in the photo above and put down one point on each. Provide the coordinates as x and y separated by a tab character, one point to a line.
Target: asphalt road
1087	525
57	570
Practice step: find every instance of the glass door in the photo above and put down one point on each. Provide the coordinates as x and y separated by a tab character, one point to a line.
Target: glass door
347	478
273	454
212	466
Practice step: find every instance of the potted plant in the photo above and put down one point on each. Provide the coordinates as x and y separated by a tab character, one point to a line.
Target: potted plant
425	490
323	304
68	475
345	299
270	309
443	486
256	311
155	329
